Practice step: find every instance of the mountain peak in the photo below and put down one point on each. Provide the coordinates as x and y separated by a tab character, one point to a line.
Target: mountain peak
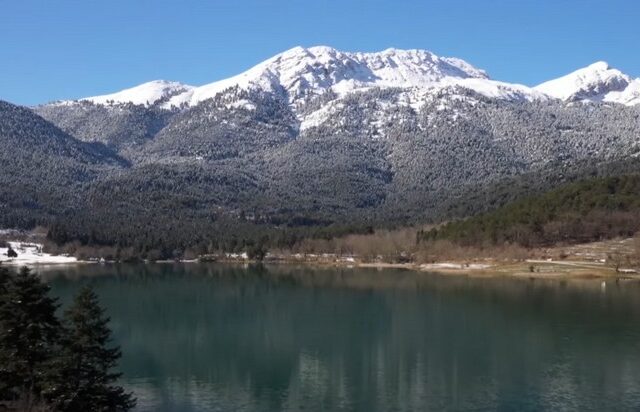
306	71
591	83
599	66
320	50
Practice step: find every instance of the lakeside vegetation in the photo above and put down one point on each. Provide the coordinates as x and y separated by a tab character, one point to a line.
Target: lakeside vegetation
589	210
49	363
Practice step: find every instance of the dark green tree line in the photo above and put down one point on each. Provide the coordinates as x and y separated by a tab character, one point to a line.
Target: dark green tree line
592	209
53	365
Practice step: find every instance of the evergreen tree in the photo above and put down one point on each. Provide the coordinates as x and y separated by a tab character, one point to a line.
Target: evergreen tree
29	333
4	283
11	253
86	380
256	252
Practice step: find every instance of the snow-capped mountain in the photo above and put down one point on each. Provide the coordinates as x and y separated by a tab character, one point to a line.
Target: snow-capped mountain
317	133
299	73
596	82
302	72
321	87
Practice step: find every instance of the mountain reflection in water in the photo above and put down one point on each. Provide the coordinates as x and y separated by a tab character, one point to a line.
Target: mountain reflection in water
199	337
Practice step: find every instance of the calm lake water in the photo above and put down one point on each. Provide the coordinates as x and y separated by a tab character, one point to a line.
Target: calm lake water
225	338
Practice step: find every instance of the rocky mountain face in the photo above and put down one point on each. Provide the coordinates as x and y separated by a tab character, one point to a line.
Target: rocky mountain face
318	136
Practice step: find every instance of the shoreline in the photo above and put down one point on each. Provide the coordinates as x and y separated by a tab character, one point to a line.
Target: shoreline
542	269
530	268
521	269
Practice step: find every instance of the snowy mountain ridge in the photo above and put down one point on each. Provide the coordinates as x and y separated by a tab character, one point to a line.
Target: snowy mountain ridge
146	94
302	72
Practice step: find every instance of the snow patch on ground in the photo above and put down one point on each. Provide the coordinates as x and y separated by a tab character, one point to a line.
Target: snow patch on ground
458	266
31	254
241	104
319	116
242	255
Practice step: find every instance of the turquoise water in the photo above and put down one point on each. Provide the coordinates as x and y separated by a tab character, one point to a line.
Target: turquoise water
225	338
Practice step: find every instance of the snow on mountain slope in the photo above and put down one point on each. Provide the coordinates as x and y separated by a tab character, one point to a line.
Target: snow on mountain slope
597	82
630	96
300	72
497	90
145	94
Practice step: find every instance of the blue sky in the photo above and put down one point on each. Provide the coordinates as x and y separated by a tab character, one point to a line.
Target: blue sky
61	49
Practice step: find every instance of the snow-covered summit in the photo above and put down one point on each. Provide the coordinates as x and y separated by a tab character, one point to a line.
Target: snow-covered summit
596	82
303	71
145	94
300	72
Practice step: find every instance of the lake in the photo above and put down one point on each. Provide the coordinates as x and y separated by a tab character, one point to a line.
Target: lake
215	337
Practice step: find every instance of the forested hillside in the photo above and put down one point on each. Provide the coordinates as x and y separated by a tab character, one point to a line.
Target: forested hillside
45	171
128	126
589	210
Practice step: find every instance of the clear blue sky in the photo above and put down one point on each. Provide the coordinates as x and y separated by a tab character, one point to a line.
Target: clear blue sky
61	49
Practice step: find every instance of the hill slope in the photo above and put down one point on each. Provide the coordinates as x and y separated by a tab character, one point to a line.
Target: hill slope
589	210
43	168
